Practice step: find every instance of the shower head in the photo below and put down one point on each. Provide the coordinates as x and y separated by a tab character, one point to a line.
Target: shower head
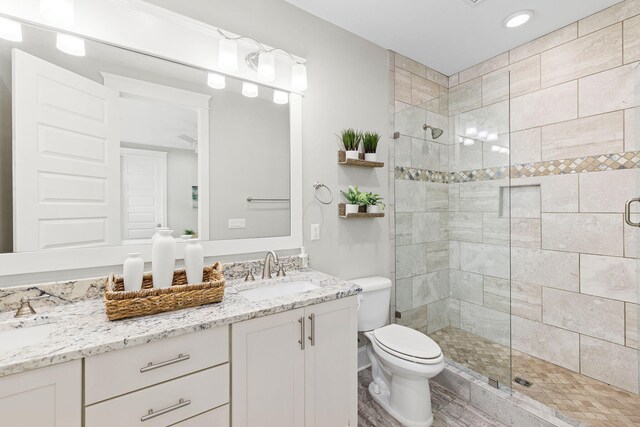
435	132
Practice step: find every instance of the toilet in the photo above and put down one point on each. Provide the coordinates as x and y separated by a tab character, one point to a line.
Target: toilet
402	359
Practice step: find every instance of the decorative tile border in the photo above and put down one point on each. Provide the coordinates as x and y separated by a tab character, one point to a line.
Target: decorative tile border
604	162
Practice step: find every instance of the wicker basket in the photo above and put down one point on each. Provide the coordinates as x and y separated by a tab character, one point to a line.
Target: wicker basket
121	304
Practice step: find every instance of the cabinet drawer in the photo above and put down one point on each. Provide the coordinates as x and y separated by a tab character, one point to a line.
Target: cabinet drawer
119	372
218	417
170	402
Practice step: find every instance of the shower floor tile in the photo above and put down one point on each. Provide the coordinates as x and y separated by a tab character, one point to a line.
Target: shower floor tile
448	409
577	396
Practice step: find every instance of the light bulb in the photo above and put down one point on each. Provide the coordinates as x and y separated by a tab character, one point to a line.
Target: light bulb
59	12
70	44
10	30
266	67
228	55
216	81
299	77
280	97
249	90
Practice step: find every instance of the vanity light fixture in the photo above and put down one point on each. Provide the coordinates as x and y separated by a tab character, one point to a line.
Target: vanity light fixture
517	19
10	30
280	97
70	44
249	90
262	61
216	81
59	12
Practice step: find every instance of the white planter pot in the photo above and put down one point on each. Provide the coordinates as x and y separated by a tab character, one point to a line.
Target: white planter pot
132	272
350	209
163	259
374	209
371	157
353	154
193	261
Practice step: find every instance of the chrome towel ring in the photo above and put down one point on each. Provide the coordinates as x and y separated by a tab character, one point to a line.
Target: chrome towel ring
316	186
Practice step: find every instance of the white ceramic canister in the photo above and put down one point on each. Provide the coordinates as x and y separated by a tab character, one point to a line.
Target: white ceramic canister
132	272
371	157
163	258
351	208
193	261
352	154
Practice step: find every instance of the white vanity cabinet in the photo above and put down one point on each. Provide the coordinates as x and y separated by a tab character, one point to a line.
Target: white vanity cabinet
297	368
45	397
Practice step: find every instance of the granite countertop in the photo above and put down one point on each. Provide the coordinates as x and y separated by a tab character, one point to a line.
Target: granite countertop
81	329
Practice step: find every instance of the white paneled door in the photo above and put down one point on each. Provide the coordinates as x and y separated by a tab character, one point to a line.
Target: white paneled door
66	158
144	192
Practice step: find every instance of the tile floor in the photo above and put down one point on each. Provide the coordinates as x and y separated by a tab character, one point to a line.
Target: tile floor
448	409
577	396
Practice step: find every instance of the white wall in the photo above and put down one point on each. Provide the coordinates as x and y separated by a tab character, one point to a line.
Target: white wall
348	87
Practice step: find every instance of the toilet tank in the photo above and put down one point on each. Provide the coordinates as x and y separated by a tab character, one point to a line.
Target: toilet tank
373	311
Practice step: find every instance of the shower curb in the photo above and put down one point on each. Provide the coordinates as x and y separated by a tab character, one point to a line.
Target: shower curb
512	409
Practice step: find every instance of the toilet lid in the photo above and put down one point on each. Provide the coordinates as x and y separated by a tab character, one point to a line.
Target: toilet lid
406	341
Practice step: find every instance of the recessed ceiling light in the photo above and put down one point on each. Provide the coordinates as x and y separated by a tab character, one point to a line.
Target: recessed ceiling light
518	18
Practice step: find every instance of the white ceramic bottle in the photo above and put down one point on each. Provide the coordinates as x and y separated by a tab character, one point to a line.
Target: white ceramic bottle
163	259
193	261
132	272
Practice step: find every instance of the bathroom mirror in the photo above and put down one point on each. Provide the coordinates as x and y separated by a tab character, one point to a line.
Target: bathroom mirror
99	145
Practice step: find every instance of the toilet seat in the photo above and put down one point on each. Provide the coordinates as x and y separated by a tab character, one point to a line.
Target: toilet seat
407	344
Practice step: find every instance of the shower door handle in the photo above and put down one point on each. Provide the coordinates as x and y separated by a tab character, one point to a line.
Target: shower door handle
627	212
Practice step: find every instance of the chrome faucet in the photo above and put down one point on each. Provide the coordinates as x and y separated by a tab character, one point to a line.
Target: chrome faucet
266	271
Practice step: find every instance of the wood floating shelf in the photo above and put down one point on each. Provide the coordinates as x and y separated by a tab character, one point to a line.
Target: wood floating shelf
342	160
342	213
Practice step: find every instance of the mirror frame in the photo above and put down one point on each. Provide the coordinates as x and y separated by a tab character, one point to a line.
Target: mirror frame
157	37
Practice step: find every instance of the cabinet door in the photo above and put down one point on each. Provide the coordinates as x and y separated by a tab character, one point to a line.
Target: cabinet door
267	366
331	394
46	397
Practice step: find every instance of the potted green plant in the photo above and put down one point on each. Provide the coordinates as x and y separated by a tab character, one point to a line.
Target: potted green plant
370	142
373	202
351	140
355	199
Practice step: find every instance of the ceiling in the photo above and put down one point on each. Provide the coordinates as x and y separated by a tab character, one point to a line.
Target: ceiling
449	35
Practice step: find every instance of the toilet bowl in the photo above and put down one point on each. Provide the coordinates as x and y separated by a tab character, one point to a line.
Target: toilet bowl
402	359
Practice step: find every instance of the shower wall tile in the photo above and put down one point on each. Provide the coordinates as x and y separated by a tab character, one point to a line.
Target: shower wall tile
497	294
493	117
609	16
465	226
402	151
547	106
632	238
599	234
426	154
546	42
466	286
454	254
558	270
437	197
437	256
402	87
404	294
631	322
546	342
411	196
526	146
415	319
427	227
608	191
526	300
454	197
631	142
525	76
490	260
523	201
526	232
609	277
610	90
480	196
610	363
463	157
465	97
495	87
411	260
437	315
495	229
485	322
454	312
409	122
423	90
632	39
454	80
437	77
494	159
587	136
428	288
586	55
485	67
409	65
597	317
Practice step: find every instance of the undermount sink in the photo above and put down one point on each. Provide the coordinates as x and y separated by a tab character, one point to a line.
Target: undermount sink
277	290
11	339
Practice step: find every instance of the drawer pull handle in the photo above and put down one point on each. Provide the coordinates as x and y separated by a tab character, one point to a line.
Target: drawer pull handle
150	367
302	340
181	404
312	338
